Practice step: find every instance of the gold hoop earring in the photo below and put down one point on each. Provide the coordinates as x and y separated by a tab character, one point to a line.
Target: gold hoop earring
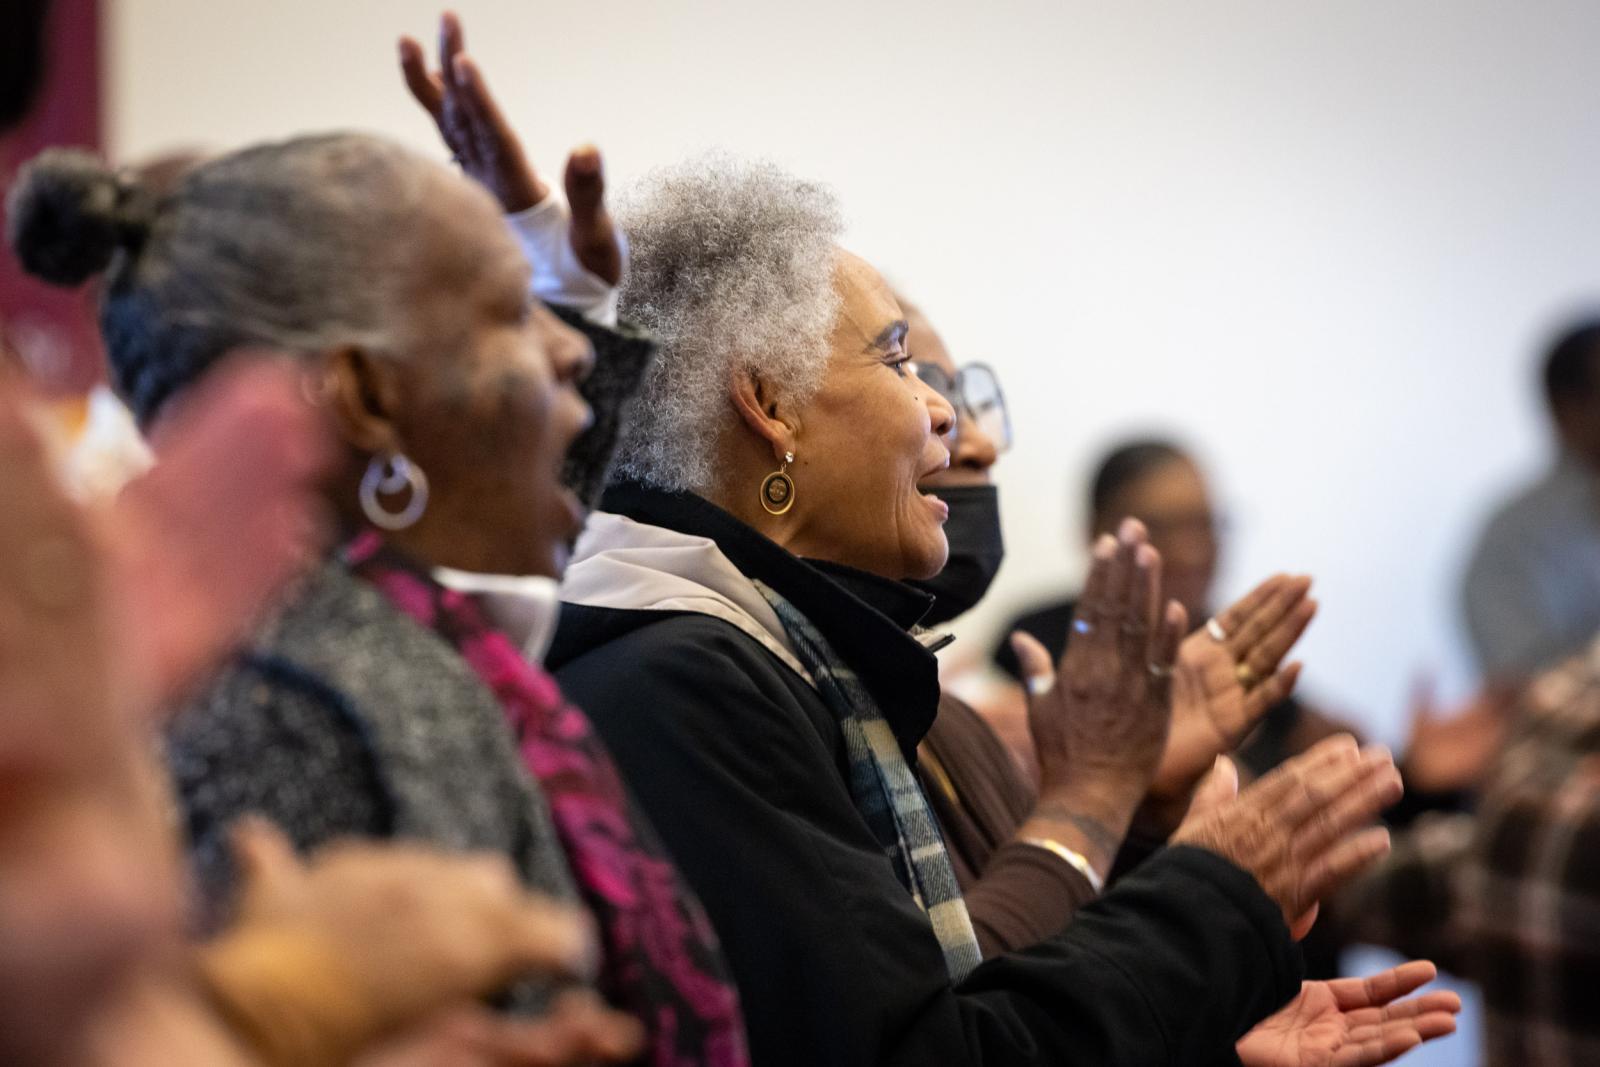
777	492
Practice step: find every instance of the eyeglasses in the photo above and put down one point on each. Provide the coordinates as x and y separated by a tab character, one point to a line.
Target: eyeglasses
975	394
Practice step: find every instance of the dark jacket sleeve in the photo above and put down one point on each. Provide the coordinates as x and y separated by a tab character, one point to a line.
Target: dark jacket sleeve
271	741
835	962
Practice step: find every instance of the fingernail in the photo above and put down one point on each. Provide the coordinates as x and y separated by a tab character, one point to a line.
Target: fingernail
1145	558
1129	531
1105	548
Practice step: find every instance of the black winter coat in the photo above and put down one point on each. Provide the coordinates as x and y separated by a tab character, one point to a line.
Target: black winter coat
741	766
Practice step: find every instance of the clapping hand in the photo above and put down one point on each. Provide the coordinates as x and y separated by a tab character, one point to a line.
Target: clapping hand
230	512
1454	750
1227	677
488	149
1099	717
1353	1022
1303	830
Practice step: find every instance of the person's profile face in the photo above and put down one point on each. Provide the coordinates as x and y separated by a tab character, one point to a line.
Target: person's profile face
491	403
1174	503
867	439
972	451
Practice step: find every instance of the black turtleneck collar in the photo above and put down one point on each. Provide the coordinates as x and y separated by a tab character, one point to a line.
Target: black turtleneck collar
865	617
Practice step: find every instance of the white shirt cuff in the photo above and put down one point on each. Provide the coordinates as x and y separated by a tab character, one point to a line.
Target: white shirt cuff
543	232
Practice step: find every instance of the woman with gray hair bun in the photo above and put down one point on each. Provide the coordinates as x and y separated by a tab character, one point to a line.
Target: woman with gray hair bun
735	620
390	696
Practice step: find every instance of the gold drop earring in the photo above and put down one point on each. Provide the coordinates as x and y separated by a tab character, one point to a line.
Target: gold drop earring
777	491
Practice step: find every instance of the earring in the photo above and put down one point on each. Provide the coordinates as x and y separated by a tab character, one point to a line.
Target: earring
777	492
390	474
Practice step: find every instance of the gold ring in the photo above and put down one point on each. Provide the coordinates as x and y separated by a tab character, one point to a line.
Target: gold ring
1247	677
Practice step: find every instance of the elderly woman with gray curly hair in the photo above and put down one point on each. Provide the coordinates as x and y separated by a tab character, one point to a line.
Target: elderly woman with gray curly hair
736	622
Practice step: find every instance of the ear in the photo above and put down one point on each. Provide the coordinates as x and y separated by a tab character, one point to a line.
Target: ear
764	414
364	396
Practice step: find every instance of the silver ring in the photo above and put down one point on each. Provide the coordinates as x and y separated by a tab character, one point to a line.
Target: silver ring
1158	670
1082	626
1218	634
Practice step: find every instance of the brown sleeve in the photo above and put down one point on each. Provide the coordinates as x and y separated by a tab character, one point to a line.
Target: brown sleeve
1025	896
1017	895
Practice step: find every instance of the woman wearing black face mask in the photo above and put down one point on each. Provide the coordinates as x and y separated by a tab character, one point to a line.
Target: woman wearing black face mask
1012	845
1025	892
1040	853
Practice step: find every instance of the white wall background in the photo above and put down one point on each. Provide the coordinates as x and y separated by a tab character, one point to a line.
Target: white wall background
1323	241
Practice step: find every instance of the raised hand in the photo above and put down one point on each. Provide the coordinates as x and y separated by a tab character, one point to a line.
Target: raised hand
392	934
1227	677
1303	830
1099	717
1353	1022
483	142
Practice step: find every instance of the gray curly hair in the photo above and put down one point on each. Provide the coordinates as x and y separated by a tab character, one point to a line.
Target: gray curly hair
732	268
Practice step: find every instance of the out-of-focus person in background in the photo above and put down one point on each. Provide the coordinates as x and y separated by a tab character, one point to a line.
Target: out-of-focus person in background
1161	484
1508	896
1531	591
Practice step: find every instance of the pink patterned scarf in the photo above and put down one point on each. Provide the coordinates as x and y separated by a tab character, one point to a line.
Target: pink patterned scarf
662	962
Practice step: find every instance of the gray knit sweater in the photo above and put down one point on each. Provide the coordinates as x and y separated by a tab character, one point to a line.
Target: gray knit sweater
345	718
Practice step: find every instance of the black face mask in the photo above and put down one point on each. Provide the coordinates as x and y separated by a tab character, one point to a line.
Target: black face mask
976	551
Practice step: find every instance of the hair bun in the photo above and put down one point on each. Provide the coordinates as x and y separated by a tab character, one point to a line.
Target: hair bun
68	214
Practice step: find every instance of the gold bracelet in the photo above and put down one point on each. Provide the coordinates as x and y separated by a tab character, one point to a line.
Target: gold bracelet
1071	857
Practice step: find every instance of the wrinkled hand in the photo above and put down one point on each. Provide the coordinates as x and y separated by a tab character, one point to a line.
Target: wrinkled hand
579	1030
488	149
1303	830
1453	750
1102	712
1215	704
1353	1022
413	929
1099	718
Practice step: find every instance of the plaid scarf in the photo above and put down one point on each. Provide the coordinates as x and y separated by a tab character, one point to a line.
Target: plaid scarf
885	791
